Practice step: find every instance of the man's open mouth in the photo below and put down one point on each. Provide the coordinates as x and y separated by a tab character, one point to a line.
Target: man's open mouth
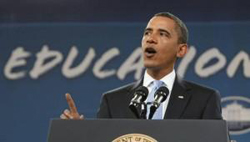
150	51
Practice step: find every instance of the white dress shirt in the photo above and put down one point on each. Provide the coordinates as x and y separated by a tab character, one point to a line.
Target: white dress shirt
168	82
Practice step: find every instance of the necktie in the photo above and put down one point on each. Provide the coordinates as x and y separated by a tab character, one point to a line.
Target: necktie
158	113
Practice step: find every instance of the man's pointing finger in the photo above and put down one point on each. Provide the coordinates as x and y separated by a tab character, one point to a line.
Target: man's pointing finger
71	103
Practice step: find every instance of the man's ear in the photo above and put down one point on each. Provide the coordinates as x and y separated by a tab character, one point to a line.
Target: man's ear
182	50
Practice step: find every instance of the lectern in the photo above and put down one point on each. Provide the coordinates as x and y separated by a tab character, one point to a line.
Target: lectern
126	130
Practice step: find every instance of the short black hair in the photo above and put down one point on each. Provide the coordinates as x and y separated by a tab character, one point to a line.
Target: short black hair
181	28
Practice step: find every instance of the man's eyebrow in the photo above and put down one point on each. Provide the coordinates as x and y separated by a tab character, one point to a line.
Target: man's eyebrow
148	29
165	31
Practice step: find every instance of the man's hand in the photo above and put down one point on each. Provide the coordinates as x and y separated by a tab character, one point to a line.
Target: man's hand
72	113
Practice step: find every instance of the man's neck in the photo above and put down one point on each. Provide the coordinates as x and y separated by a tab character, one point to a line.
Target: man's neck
158	74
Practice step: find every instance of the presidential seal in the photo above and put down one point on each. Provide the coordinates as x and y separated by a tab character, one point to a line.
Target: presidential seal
135	137
236	111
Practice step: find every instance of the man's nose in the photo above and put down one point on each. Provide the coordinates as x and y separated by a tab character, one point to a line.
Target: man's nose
151	39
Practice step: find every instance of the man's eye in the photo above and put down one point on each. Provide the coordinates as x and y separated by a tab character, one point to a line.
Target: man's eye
163	34
146	33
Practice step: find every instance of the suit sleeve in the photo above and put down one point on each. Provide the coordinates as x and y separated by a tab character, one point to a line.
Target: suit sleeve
213	107
104	111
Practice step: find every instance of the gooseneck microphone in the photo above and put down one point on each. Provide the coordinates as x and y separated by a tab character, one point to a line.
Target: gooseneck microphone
140	96
159	97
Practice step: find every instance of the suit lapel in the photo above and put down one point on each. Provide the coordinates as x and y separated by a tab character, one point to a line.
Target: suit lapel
178	100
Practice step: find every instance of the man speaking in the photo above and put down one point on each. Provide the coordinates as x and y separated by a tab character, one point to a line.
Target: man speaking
164	41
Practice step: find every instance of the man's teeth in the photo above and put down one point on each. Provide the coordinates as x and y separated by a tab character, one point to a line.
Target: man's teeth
150	50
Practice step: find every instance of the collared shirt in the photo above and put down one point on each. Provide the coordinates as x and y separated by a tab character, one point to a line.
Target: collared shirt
168	82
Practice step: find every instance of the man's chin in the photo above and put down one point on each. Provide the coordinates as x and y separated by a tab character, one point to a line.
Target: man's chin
149	66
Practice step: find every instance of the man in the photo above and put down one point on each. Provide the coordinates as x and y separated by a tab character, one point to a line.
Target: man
164	41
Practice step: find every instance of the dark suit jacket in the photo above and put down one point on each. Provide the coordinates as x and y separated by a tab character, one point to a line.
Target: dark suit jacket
198	102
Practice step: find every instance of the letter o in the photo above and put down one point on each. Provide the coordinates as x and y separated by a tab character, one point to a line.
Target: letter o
212	53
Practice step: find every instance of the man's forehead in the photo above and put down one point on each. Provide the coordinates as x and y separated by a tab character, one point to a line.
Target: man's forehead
161	22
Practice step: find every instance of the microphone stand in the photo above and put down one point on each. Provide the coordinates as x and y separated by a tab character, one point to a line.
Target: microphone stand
143	111
152	112
133	107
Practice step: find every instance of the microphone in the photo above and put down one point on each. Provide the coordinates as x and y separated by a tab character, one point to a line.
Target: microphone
159	97
140	96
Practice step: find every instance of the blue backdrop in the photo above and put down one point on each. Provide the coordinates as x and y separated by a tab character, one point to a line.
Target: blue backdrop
87	48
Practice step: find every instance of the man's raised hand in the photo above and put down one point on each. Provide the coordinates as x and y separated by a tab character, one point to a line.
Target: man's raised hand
72	113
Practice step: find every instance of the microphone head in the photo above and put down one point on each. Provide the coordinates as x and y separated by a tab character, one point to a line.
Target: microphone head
163	92
140	96
143	92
